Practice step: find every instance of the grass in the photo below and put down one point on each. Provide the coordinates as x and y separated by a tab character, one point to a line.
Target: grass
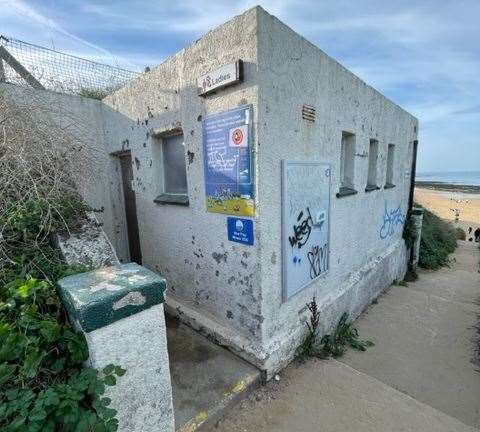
439	239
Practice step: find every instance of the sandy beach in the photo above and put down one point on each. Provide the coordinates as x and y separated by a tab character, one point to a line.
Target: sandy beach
449	203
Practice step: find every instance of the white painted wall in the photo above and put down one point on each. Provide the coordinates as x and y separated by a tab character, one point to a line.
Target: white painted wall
212	283
234	292
293	72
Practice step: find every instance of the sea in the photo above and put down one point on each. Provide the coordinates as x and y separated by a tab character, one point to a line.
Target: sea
451	177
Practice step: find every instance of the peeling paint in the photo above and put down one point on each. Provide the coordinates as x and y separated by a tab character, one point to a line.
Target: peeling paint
133	298
219	257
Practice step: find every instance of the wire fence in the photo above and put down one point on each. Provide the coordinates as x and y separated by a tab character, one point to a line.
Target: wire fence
58	71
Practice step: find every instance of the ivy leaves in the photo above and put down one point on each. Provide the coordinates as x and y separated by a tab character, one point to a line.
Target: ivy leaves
42	380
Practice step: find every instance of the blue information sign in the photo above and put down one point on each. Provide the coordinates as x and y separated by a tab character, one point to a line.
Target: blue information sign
240	230
227	162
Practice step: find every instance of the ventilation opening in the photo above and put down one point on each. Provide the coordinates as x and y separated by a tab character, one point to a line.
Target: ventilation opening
308	113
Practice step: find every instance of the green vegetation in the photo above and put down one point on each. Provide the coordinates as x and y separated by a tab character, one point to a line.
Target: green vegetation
461	234
43	386
308	347
439	239
345	335
409	232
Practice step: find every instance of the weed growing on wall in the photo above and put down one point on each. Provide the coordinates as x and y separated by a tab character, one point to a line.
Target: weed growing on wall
344	336
308	347
334	344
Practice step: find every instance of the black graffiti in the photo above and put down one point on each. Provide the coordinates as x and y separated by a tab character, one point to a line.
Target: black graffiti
301	232
318	258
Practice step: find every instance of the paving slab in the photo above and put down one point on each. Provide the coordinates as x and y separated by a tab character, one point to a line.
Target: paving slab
424	338
330	396
206	378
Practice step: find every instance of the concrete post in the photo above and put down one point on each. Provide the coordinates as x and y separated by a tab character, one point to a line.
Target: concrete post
120	310
417	218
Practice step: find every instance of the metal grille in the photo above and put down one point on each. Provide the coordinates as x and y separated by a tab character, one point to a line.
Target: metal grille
28	64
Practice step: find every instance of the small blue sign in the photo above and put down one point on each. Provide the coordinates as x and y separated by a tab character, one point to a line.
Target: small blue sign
240	230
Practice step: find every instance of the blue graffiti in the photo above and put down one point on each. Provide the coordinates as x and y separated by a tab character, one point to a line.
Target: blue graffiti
297	260
391	219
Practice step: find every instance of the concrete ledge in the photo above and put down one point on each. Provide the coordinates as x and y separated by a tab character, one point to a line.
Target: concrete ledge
177	199
357	292
101	297
345	191
220	334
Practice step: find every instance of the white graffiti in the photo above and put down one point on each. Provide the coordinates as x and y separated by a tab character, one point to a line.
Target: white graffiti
217	161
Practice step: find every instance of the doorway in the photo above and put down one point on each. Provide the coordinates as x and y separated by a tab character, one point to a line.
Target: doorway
130	207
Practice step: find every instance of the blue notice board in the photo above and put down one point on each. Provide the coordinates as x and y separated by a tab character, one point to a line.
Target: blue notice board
227	148
240	230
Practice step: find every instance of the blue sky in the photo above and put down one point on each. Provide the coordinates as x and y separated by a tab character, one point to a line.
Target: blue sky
423	54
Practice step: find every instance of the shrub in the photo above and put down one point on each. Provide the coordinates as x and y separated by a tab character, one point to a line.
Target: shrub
461	234
43	386
438	240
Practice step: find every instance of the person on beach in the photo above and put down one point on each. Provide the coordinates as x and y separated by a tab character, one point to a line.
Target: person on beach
477	235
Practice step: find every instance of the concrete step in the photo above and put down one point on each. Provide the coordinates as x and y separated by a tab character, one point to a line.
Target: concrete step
206	378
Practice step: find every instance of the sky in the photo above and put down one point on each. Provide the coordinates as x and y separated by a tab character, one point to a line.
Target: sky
422	54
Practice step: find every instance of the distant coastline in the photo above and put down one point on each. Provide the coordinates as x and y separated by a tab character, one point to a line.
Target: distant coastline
441	186
451	178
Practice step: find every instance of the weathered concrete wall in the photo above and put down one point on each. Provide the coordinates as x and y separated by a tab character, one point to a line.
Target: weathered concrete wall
209	278
232	291
224	289
97	178
87	245
293	72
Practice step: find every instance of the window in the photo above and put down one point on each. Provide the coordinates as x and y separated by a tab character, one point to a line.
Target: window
347	165
390	165
174	170
372	166
168	156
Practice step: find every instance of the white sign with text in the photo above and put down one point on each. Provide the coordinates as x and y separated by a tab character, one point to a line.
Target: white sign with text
224	76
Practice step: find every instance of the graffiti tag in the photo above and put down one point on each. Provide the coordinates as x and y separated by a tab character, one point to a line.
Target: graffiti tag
318	258
301	231
391	219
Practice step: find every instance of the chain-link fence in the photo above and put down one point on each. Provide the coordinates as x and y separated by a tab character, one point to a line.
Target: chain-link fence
23	63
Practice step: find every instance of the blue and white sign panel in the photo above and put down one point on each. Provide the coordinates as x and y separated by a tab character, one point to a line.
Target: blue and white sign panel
305	224
240	230
228	163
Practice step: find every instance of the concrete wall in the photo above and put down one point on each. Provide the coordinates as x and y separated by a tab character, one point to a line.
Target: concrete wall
232	292
293	72
212	283
82	121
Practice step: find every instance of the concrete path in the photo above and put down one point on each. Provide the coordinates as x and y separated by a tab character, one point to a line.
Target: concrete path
424	338
206	378
419	376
